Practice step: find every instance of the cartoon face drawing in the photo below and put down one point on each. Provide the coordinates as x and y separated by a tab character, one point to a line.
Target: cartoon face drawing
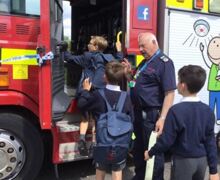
214	50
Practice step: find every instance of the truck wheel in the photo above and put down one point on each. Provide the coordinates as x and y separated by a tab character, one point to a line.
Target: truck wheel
21	148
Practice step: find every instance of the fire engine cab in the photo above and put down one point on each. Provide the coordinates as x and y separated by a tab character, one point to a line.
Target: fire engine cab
38	110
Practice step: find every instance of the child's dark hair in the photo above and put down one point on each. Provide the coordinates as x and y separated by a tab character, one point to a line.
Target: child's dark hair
193	76
114	72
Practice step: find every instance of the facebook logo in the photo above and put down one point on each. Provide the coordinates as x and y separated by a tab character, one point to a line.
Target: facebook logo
143	13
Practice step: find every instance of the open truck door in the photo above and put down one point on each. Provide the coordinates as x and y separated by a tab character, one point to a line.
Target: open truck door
53	102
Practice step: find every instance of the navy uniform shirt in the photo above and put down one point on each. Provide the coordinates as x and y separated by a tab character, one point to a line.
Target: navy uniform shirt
152	83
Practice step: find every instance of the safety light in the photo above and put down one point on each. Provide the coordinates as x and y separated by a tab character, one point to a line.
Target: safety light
198	4
4	78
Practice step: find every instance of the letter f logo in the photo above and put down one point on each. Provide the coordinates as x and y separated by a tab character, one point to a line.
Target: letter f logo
143	13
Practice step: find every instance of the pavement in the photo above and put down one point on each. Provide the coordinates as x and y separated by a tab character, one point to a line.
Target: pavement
84	170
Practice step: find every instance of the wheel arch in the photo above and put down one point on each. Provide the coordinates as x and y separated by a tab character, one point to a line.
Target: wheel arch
18	99
22	111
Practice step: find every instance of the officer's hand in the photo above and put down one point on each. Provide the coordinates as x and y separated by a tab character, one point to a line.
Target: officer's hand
214	176
146	156
87	84
159	126
127	66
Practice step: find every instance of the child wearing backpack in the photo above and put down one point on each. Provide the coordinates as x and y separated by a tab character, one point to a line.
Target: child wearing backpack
113	112
93	64
189	131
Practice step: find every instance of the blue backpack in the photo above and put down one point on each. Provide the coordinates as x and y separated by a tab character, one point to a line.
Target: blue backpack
113	129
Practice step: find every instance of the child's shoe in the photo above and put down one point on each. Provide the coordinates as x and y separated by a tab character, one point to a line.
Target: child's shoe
91	149
83	151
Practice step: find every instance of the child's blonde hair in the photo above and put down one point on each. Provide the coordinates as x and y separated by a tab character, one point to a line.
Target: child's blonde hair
100	41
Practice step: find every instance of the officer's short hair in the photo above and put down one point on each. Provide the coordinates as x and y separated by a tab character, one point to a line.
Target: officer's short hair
193	76
100	41
114	72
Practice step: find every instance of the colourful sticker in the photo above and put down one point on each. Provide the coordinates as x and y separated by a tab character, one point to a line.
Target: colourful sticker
20	71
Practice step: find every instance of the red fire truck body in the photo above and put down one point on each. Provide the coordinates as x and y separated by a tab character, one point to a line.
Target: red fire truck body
38	114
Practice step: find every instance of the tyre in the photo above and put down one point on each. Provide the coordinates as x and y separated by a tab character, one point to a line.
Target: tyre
21	148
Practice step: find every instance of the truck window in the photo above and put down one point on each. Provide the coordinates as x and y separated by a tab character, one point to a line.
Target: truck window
22	7
58	12
214	6
4	5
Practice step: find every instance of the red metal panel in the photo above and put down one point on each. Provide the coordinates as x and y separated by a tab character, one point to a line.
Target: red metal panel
62	138
73	107
55	132
143	17
19	32
28	86
18	99
45	100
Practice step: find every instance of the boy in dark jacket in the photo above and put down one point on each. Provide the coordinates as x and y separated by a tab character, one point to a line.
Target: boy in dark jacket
94	102
93	65
189	131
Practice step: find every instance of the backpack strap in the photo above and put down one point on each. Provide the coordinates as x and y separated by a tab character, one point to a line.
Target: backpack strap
120	103
101	92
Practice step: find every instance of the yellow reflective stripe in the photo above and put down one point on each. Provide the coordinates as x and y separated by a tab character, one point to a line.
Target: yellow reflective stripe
7	53
139	58
186	4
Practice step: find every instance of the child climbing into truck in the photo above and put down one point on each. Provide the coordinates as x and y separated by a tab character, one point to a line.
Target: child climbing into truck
93	65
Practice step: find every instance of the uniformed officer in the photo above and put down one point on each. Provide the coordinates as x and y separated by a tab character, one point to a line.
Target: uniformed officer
152	93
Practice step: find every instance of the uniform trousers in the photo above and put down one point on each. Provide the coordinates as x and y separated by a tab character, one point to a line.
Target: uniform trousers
188	168
144	124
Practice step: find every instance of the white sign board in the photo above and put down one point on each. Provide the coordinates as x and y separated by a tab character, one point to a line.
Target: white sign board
188	33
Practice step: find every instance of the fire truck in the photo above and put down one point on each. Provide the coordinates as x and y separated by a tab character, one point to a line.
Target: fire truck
38	109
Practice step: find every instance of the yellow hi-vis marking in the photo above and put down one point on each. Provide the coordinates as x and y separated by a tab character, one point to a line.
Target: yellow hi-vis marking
20	71
139	58
11	53
186	4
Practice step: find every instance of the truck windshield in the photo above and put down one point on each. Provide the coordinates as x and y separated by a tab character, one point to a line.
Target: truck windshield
20	7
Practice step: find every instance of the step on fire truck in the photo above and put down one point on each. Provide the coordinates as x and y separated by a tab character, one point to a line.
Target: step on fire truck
38	115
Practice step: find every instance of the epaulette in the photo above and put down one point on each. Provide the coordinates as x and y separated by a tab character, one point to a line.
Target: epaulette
164	58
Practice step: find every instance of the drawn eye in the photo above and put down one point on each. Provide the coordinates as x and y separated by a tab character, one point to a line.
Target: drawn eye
201	28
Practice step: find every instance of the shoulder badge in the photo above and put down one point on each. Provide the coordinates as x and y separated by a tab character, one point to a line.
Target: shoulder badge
164	58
